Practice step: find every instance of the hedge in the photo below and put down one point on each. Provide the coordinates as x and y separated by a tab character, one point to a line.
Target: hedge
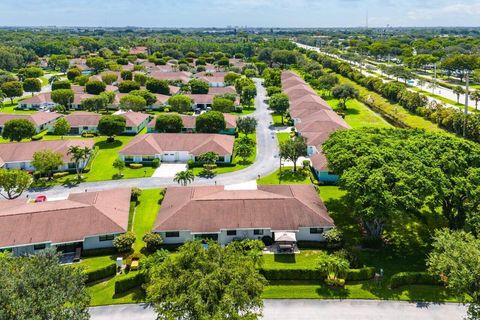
99	252
128	283
101	273
362	274
408	278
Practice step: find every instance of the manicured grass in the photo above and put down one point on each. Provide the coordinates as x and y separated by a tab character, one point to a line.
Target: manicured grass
103	293
359	115
277	120
91	263
239	163
9	107
287	176
306	259
283	136
246	110
145	215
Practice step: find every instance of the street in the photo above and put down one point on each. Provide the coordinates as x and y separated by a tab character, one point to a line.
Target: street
315	309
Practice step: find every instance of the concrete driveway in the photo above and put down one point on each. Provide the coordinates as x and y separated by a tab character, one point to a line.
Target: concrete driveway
168	170
315	309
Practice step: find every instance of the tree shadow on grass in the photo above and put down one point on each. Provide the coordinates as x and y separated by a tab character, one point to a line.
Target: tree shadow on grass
351	112
291	176
102	145
284	258
138	294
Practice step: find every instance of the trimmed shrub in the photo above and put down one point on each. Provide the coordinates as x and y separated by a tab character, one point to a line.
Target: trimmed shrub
37	137
292	274
99	252
156	163
124	242
408	278
135	165
60	174
365	273
101	273
128	283
152	241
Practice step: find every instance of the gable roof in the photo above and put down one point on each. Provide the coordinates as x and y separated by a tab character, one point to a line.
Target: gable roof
189	122
79	216
37	118
180	75
211	209
196	144
319	161
134	119
82	118
41	98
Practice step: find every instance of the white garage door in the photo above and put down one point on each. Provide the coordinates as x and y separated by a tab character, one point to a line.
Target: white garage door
168	157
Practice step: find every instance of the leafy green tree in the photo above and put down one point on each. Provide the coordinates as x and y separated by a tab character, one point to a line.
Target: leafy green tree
222	104
169	123
127	86
32	85
475	95
95	103
132	102
344	92
46	161
108	96
230	78
210	122
272	77
63	97
140	78
206	283
327	82
184	177
333	266
209	160
460	64
293	149
455	258
124	242
246	125
39	287
180	103
14	182
458	90
18	129
198	86
149	97
73	73
273	90
12	89
96	63
119	165
79	156
30	72
111	125
63	65
126	75
158	86
284	57
248	94
61	127
109	77
244	151
95	87
152	240
61	84
279	104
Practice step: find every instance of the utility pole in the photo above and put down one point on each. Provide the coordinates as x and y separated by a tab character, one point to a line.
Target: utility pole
467	78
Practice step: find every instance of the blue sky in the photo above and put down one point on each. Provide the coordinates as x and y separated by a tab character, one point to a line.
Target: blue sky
220	13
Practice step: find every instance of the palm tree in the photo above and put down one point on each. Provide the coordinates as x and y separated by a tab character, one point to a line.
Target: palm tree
458	90
184	177
77	156
476	97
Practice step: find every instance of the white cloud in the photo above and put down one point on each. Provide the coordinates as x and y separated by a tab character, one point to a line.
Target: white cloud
449	10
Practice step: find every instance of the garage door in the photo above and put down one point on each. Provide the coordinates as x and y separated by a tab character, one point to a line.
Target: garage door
168	157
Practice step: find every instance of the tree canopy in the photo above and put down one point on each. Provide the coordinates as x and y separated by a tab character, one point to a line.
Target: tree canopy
210	122
18	129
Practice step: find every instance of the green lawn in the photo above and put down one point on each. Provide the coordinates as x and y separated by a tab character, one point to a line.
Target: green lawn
283	136
306	259
145	215
103	293
359	115
239	163
277	120
9	107
246	110
91	263
287	176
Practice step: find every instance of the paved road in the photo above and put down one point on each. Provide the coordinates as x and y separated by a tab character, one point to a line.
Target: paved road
265	163
441	91
314	309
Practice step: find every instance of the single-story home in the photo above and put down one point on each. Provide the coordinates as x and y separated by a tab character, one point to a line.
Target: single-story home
41	101
137	50
41	120
320	167
88	220
177	147
212	212
221	90
182	76
19	155
190	123
135	121
82	121
215	79
203	101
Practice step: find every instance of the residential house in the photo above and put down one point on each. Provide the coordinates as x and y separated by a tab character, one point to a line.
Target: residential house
181	76
212	212
41	120
189	123
320	167
19	155
221	90
135	121
137	50
215	79
82	121
41	101
87	220
177	147
205	101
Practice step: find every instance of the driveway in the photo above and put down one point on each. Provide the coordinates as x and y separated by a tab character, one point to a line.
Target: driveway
315	309
168	170
267	161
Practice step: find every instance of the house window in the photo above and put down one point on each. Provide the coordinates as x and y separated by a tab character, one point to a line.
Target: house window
128	158
316	230
258	232
148	158
231	232
71	165
85	128
128	128
39	246
108	237
172	234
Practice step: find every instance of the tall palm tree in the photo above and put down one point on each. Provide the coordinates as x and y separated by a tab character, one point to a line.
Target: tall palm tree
475	97
77	155
458	90
184	177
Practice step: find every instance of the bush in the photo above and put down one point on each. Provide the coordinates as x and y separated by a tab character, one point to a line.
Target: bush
156	163
372	243
88	135
152	240
128	283
135	165
292	274
362	274
37	137
101	273
124	242
99	252
190	164
408	278
136	193
57	175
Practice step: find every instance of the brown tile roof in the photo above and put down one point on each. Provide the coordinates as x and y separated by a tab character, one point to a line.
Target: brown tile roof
40	98
196	144
37	118
79	97
81	215
189	122
81	118
214	77
136	50
180	75
288	74
221	90
298	91
23	151
161	98
319	162
202	98
210	209
290	82
78	89
304	109
134	119
174	89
